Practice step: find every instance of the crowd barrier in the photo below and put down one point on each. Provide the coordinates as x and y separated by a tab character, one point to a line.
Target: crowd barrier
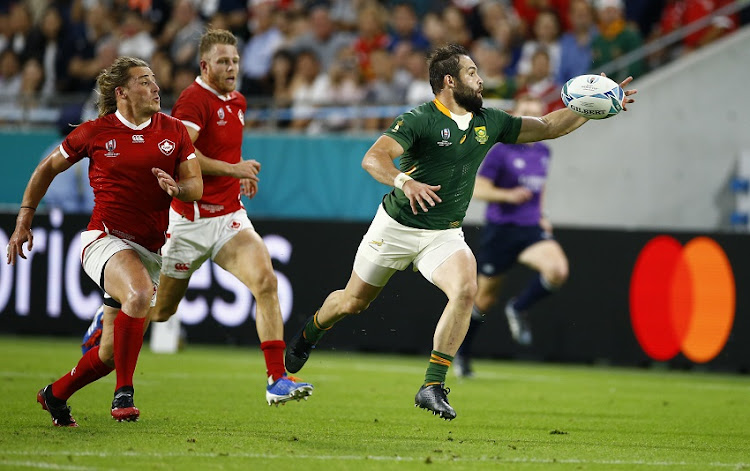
633	298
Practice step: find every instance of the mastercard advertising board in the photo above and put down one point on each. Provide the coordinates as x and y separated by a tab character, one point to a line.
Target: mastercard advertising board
682	298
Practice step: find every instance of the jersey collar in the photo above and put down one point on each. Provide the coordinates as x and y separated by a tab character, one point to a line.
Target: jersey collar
127	123
208	87
463	124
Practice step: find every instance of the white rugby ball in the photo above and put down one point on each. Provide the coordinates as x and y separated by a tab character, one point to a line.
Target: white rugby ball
593	96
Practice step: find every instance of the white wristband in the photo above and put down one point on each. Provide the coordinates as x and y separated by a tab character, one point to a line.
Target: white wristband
400	179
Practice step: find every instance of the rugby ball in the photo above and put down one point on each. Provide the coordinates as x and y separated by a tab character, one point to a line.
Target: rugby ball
592	96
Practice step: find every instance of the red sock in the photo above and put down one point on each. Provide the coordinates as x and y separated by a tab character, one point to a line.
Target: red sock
273	351
128	342
89	369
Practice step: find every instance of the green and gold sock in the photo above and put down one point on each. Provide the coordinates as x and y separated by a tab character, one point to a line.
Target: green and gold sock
437	369
314	331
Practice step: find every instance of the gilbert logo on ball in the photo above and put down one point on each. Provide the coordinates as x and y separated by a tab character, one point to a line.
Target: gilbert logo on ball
593	96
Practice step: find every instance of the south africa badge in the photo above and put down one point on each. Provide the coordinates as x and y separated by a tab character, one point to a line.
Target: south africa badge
480	134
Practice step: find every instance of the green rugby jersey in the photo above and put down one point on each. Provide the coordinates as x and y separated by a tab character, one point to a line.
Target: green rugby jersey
437	152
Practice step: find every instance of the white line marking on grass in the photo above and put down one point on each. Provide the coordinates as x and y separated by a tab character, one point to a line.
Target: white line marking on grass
492	459
37	464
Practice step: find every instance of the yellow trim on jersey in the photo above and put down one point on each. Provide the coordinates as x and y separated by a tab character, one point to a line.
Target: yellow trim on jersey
442	108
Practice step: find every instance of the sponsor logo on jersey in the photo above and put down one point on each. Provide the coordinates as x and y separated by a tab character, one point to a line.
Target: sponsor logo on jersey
111	145
138	139
480	134
166	147
241	115
182	266
235	224
399	123
375	244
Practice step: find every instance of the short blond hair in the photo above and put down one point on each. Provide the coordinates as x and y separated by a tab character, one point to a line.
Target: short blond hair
215	36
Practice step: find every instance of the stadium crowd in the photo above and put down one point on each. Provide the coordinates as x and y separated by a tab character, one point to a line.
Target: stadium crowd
301	55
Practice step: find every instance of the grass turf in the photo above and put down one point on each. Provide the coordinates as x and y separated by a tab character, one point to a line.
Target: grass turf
204	408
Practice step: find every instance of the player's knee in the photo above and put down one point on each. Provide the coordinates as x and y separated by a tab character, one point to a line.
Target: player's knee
138	301
266	283
465	293
556	275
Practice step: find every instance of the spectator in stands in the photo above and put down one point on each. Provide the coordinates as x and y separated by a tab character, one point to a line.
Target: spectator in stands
457	29
5	31
32	80
404	28
163	69
184	76
388	87
234	13
422	7
371	36
644	14
292	25
44	45
434	30
307	67
546	35
340	86
528	10
492	60
616	38
90	51
323	39
575	45
10	76
344	13
266	39
540	83
282	70
507	35
488	14
20	24
419	90
182	33
679	13
133	37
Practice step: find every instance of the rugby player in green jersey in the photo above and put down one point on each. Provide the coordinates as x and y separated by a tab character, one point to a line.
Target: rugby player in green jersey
441	144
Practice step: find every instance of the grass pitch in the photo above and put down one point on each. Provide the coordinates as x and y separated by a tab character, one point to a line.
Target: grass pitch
204	408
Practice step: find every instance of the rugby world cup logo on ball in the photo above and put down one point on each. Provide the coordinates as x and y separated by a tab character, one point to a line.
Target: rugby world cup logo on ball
593	96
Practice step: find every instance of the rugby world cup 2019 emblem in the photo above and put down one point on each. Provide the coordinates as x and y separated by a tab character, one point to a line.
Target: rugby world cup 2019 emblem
166	147
111	145
221	113
480	134
445	134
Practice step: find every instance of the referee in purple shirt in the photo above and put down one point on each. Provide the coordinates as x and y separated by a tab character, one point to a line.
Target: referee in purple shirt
511	180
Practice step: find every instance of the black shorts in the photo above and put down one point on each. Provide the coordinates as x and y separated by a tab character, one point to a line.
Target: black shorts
501	244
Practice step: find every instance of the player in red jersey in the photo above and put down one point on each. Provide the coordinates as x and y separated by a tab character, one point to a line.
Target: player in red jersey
135	154
217	226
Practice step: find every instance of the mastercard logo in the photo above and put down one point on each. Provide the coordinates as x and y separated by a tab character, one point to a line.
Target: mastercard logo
682	299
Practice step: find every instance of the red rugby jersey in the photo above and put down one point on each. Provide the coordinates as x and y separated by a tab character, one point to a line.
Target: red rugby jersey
220	120
128	201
